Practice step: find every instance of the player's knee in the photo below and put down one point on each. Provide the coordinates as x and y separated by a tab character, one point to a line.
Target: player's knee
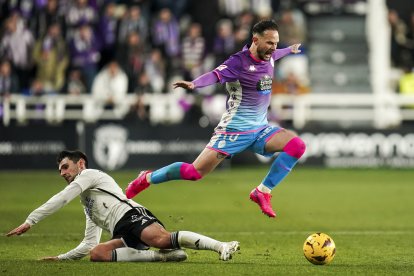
189	172
295	147
99	254
162	241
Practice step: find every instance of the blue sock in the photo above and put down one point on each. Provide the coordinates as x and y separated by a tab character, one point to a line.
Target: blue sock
280	168
167	173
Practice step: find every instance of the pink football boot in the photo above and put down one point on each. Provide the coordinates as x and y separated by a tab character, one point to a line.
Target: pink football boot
263	200
137	185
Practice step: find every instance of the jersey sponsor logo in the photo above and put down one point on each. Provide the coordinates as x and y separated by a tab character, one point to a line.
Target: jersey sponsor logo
222	67
264	85
89	206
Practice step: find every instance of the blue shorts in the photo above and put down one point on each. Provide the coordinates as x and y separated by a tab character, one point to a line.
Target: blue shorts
230	143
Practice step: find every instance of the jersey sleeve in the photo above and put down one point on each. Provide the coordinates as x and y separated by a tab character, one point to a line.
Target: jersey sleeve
279	53
54	204
230	69
92	237
85	180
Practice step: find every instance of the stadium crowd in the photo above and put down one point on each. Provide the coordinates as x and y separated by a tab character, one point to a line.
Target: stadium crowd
401	21
111	48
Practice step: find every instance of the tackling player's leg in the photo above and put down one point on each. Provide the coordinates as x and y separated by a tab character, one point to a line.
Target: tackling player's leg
170	244
292	149
204	164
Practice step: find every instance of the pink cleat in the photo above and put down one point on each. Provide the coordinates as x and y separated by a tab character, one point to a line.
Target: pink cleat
263	200
137	185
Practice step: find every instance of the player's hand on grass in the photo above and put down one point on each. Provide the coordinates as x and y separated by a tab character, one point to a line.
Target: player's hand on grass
295	48
52	258
19	230
184	84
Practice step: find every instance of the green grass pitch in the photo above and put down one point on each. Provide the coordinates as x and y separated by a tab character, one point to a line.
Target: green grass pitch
368	213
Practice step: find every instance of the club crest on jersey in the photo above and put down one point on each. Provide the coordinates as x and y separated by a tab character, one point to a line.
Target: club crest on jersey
264	85
252	68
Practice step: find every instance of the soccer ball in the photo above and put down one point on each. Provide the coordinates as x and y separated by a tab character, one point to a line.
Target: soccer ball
319	249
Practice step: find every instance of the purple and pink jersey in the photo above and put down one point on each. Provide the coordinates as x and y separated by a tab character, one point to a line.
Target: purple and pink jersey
249	85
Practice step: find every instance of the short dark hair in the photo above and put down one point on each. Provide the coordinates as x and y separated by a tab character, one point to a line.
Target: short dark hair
265	25
73	155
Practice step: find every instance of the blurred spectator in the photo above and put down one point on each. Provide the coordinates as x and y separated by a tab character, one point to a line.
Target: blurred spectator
207	15
80	13
8	80
85	53
16	45
155	68
138	109
27	8
410	37
399	54
224	42
233	8
110	86
292	30
244	24
177	7
289	85
166	37
132	58
45	17
193	52
51	59
133	22
406	83
76	85
107	31
38	89
263	9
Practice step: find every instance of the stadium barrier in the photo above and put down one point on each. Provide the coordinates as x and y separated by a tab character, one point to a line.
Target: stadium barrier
117	145
378	111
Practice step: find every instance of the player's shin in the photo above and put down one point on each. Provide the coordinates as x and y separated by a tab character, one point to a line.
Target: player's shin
128	254
175	171
193	240
283	164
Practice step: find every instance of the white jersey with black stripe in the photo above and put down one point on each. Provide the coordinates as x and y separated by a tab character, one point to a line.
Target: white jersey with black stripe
104	209
104	205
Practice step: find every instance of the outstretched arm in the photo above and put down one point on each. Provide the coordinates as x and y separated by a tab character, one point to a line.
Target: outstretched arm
292	49
202	81
52	205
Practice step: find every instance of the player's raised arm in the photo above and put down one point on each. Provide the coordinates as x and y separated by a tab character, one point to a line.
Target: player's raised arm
51	206
184	84
294	49
204	80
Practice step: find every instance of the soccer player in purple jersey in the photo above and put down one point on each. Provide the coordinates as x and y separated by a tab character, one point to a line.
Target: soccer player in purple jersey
244	126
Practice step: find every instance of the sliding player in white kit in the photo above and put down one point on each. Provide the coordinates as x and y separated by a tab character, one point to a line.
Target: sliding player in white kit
133	227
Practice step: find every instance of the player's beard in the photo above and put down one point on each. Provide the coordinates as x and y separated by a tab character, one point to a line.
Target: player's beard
264	54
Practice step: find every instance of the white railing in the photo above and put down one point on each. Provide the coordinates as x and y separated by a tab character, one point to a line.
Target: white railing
346	109
56	108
